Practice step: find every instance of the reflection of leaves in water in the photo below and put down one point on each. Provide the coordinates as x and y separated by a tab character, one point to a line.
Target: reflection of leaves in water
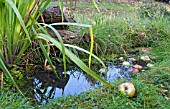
95	67
90	80
45	84
52	91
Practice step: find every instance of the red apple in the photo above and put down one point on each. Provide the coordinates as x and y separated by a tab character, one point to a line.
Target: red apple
154	57
137	66
142	34
127	89
132	59
134	70
145	58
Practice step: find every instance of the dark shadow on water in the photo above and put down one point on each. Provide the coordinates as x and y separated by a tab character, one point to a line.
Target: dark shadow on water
48	86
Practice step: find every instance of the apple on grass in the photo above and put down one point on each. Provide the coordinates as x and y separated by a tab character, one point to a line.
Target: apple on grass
127	89
126	63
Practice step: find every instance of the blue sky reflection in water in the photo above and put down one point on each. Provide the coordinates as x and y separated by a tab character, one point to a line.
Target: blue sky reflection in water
76	83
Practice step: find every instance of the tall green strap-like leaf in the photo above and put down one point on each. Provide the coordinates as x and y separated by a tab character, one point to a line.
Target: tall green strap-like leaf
19	17
92	43
43	4
23	26
74	58
2	30
10	31
36	11
7	73
61	8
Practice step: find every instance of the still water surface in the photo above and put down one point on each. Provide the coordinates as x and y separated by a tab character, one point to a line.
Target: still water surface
47	86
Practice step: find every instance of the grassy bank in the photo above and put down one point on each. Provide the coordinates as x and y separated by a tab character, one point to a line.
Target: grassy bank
118	29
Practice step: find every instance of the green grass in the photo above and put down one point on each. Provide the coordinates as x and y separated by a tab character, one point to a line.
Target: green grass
11	100
117	31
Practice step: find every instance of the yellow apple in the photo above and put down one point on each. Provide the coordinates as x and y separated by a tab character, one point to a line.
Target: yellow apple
145	58
127	89
126	63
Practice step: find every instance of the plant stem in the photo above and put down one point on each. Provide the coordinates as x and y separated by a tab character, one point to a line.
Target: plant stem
2	79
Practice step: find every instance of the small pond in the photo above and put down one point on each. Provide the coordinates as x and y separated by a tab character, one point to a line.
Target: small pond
45	85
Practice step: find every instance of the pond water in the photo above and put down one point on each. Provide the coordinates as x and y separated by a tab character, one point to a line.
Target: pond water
46	86
74	82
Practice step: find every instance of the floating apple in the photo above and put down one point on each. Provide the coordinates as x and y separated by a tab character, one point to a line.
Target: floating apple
132	59
145	58
127	89
102	70
103	73
149	65
121	58
137	66
126	63
134	70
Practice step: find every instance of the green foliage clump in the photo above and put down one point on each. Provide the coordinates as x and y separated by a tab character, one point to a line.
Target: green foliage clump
18	73
153	10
